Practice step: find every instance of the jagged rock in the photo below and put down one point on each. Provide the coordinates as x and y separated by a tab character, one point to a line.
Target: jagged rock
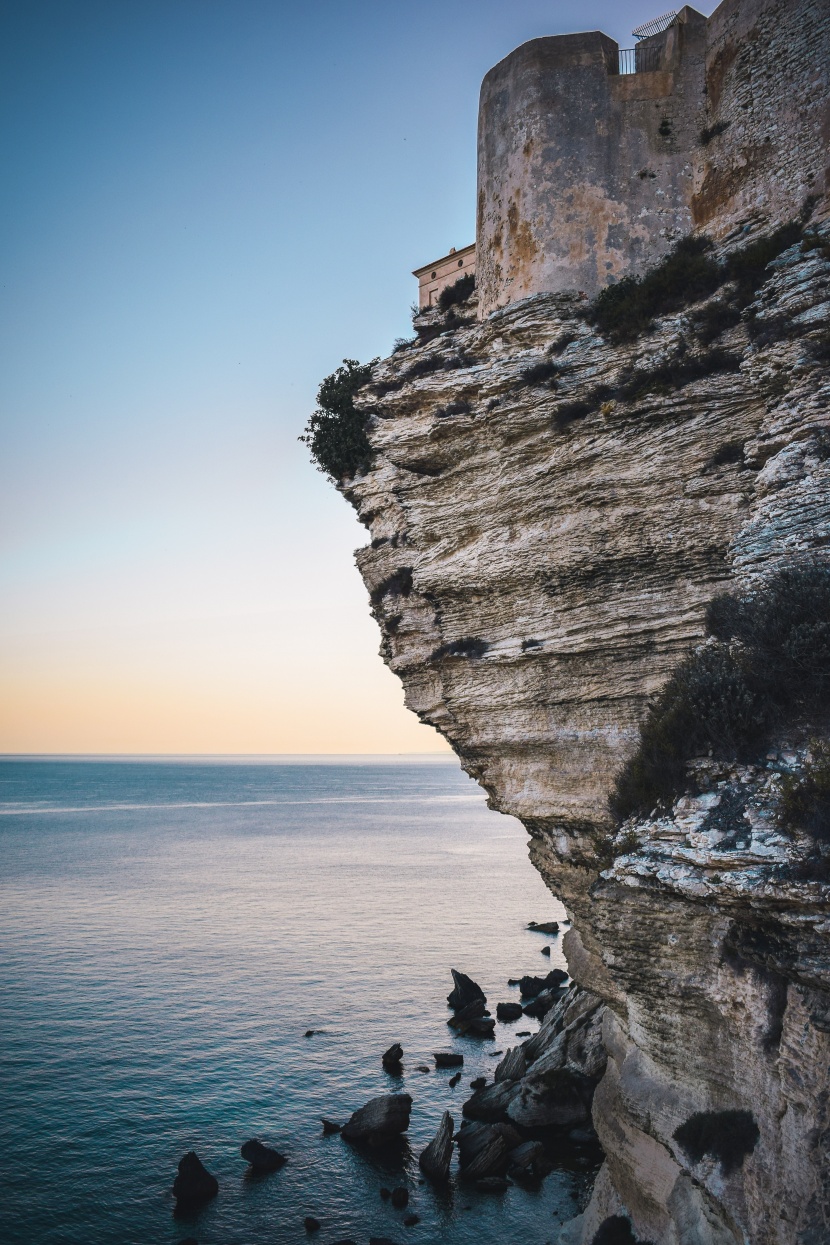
545	950
434	1161
381	1118
513	1066
512	1136
559	1100
391	1059
541	1005
447	1059
262	1158
400	1197
474	1018
464	992
544	927
194	1184
508	1011
530	987
528	1161
478	1082
491	1103
484	1028
329	1127
482	1151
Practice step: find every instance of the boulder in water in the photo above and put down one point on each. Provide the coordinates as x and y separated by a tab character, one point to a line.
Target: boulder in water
311	1224
508	1011
464	992
482	1151
194	1184
435	1159
544	927
380	1119
400	1197
329	1127
262	1158
391	1059
447	1059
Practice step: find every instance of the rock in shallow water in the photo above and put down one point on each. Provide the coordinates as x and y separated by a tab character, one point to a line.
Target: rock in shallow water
465	991
329	1127
435	1159
391	1059
400	1197
508	1011
262	1158
380	1119
447	1059
544	927
194	1184
311	1224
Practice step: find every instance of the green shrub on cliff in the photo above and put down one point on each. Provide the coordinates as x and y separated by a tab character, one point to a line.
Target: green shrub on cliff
457	293
624	311
336	432
768	669
805	798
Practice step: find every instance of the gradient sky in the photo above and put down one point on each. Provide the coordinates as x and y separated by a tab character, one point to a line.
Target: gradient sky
206	205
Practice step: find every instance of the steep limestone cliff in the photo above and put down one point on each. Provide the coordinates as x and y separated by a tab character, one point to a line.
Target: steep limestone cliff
543	546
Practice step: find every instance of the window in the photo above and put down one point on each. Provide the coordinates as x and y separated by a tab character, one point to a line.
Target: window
461	263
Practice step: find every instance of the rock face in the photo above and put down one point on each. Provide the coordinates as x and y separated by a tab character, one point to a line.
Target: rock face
542	553
380	1120
465	992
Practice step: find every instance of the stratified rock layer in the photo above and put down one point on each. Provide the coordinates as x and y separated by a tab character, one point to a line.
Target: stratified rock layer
537	569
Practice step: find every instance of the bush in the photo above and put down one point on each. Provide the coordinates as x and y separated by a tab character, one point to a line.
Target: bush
727	1136
712	131
470	646
727	699
336	432
616	1230
688	274
675	373
714	319
458	292
541	374
805	798
398	584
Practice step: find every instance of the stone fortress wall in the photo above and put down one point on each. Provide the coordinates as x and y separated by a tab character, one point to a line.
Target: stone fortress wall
586	174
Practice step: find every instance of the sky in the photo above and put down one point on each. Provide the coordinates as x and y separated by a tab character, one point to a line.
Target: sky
207	205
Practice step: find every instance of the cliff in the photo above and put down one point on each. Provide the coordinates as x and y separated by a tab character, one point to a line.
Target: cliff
550	513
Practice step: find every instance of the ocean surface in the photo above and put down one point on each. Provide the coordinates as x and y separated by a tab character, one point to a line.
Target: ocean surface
168	933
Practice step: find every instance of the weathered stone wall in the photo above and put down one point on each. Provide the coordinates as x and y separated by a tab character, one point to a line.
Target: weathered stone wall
587	175
583	173
768	92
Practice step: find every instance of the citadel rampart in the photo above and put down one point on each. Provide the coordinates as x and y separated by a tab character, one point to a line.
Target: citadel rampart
587	175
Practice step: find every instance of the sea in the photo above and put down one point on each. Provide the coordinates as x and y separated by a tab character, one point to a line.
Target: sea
171	929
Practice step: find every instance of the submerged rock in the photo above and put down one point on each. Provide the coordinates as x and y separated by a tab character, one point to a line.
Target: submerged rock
434	1161
194	1184
381	1118
508	1011
400	1197
492	1184
544	927
453	1081
311	1224
410	1220
464	992
262	1158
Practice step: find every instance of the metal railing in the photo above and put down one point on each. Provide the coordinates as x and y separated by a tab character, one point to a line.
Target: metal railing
639	60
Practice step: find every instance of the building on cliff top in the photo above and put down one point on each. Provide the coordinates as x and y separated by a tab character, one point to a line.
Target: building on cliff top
435	277
593	160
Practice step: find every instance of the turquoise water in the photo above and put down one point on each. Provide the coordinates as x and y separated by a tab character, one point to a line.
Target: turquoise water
169	931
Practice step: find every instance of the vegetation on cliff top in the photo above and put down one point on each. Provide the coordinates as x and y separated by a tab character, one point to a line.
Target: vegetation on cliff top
336	432
689	273
766	668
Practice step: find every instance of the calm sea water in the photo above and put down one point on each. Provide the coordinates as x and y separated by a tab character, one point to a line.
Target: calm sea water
169	933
